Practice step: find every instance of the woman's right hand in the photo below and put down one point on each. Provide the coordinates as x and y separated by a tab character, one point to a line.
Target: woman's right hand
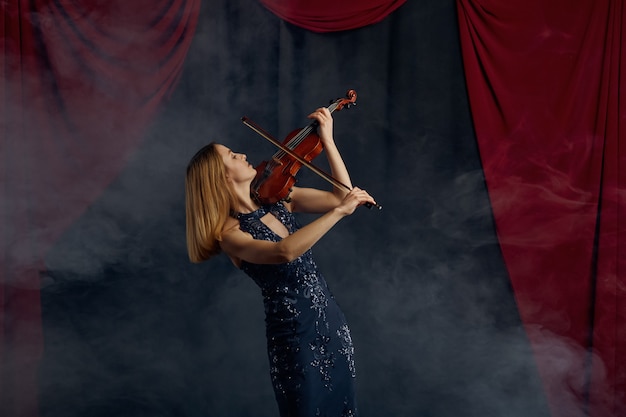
355	198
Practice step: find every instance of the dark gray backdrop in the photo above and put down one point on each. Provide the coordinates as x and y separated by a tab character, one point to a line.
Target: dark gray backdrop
133	329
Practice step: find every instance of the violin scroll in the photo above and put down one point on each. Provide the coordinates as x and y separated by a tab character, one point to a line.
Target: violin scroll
340	103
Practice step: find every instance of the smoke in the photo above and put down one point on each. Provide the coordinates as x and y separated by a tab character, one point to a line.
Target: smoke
432	316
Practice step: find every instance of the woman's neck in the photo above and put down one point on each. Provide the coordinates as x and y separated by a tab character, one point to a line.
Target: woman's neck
245	202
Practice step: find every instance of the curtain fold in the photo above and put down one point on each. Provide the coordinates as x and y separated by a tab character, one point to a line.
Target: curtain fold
546	98
332	16
81	81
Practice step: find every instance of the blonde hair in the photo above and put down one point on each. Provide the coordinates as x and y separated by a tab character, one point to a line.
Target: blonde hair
208	203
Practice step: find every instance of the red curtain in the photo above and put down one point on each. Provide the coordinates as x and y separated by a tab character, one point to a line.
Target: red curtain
546	88
80	81
332	15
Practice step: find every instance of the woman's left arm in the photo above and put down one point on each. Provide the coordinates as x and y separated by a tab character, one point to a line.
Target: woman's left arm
311	200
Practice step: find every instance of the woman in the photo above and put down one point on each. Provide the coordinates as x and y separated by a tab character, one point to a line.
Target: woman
309	345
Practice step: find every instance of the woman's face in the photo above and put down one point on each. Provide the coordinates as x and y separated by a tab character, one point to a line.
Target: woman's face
237	167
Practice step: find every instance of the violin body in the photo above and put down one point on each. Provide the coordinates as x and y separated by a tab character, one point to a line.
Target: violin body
275	178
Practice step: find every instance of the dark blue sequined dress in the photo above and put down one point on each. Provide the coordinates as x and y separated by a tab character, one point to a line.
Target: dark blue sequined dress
309	345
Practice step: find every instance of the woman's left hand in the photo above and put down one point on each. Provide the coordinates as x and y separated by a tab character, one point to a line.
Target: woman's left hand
325	127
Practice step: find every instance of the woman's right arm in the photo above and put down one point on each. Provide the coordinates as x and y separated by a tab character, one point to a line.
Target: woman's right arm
241	245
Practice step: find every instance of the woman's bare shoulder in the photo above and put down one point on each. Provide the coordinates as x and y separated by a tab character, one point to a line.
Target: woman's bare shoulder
230	224
232	235
231	227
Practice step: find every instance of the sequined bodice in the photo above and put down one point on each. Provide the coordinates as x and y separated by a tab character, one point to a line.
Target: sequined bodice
270	276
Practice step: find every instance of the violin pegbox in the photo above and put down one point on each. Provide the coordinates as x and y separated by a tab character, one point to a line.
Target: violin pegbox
340	103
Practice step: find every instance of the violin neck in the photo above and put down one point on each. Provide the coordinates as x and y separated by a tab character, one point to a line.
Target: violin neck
297	139
333	106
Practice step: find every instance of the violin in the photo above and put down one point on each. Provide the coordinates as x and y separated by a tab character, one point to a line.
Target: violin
276	177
